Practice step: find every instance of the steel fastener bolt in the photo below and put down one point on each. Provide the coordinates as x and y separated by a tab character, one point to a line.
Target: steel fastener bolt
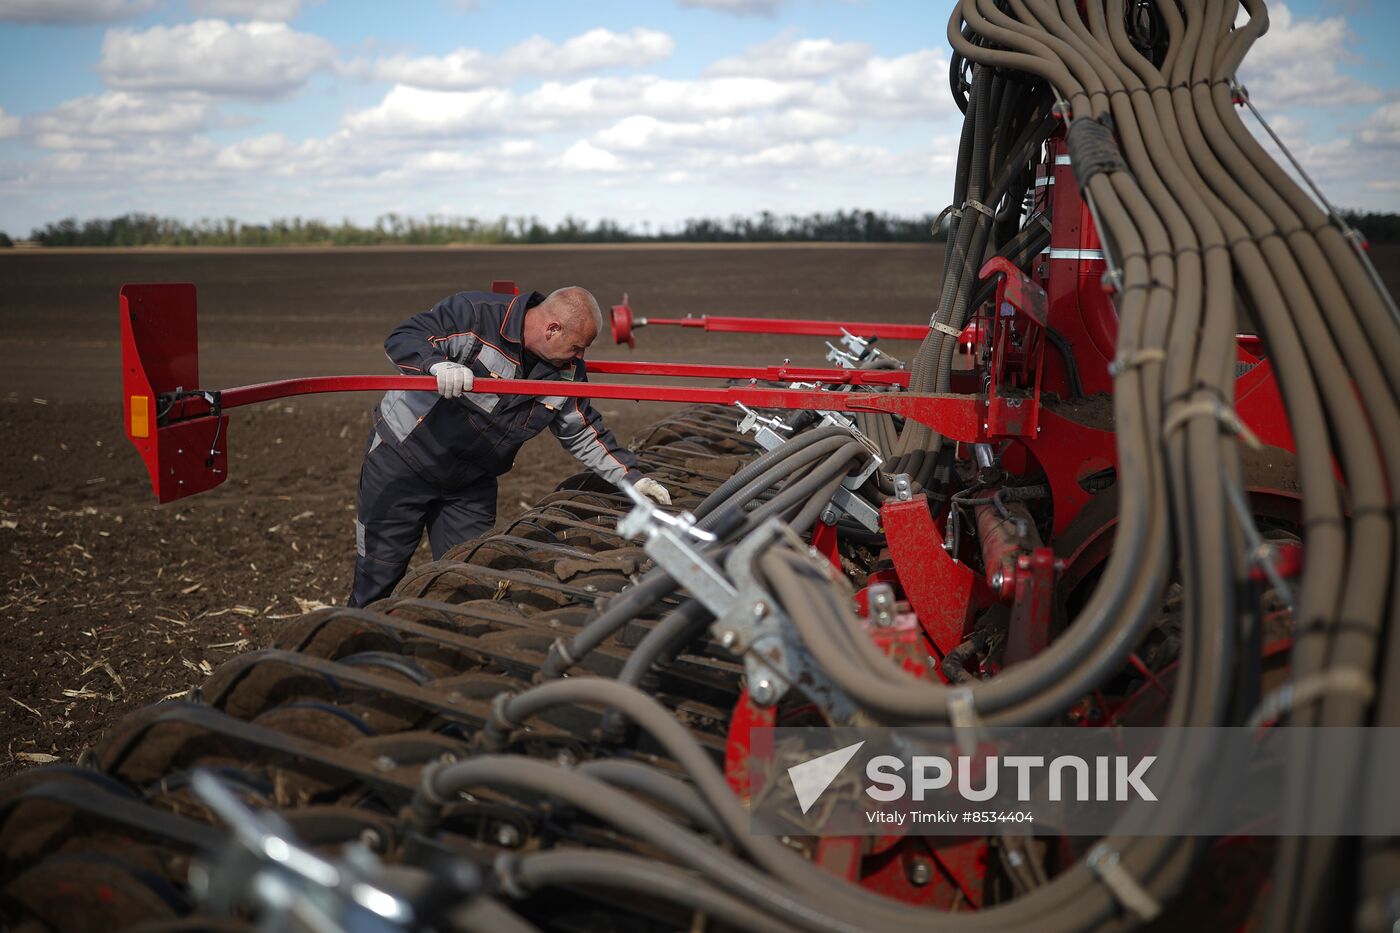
760	609
384	763
507	836
998	579
828	516
920	873
729	638
763	693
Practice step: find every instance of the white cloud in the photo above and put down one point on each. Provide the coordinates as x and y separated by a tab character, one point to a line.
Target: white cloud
583	156
590	51
647	134
167	161
913	86
414	111
100	120
71	12
1295	63
462	69
215	57
256	153
1382	128
411	111
817	156
512	148
785	56
266	10
9	125
737	7
467	69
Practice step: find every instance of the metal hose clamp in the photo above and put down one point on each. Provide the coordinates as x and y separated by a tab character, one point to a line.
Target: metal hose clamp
1130	895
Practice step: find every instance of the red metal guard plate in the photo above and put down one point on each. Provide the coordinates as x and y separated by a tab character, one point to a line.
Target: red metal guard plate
160	353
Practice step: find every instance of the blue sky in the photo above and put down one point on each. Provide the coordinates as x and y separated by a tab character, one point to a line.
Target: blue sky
644	112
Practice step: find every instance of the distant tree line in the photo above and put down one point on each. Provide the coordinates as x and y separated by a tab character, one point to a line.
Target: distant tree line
1378	228
851	226
394	229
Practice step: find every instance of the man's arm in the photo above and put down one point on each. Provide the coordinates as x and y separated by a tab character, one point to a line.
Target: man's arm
444	333
580	429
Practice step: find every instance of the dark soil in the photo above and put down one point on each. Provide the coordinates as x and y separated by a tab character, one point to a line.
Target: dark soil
110	602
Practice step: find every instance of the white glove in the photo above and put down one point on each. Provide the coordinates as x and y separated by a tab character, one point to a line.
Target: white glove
453	378
653	490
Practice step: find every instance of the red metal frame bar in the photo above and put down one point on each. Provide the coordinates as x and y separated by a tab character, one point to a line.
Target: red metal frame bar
624	322
855	377
798	327
955	416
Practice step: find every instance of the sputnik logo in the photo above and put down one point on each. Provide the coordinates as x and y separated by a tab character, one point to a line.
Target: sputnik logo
811	778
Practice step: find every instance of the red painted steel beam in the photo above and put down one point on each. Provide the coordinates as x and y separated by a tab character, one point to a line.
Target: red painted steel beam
958	417
624	322
886	377
803	327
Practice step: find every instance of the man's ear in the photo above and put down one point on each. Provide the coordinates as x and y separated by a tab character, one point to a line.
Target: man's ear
553	328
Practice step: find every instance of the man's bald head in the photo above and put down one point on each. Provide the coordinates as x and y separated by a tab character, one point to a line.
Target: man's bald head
562	326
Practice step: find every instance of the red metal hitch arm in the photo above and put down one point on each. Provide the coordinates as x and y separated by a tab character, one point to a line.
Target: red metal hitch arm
181	430
624	322
954	416
187	452
854	377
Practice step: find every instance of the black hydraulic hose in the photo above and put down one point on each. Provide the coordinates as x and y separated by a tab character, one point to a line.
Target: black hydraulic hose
954	664
1061	345
656	584
789	469
512	772
654	785
679	628
483	914
1031	241
869	910
632	874
760	464
804	494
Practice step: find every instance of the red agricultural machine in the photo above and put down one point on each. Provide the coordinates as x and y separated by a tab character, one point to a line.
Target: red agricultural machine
1139	471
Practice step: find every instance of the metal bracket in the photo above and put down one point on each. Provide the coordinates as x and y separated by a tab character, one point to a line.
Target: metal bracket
775	656
667	538
748	622
880	599
264	865
857	350
841	358
765	431
855	480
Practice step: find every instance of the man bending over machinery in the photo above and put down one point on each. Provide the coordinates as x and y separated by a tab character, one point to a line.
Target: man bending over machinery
432	459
